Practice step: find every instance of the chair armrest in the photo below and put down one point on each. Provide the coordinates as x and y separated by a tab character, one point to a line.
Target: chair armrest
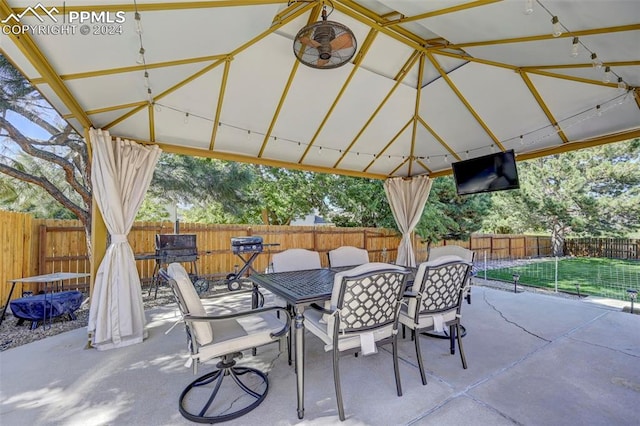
321	309
211	318
410	294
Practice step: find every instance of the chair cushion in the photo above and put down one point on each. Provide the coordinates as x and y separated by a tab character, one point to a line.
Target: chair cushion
296	260
424	321
236	335
201	329
348	256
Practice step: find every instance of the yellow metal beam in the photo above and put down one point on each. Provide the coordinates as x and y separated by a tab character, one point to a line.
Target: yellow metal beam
584	65
393	139
208	68
543	105
621	28
221	92
356	65
416	109
313	16
153	7
174	149
405	71
438	138
464	101
134	68
572	146
115	108
152	123
30	50
447	10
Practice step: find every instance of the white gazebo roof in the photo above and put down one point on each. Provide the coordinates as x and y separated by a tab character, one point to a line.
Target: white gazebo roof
432	82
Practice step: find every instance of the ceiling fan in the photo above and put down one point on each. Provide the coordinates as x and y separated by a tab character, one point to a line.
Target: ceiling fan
324	44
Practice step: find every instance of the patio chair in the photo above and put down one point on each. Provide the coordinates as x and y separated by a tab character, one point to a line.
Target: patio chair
454	250
363	313
434	302
295	260
348	256
206	399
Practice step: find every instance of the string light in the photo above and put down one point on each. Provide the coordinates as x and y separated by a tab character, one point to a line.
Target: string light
567	123
136	16
186	118
574	47
595	61
557	28
621	84
606	78
140	59
528	7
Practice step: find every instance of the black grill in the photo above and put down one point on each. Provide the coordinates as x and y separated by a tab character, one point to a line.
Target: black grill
176	248
246	245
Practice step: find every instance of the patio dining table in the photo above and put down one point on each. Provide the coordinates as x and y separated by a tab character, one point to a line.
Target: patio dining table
300	289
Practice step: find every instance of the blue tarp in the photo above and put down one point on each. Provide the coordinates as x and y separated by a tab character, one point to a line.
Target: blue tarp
34	308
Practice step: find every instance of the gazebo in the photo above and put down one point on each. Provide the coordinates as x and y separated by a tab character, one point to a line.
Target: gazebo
372	88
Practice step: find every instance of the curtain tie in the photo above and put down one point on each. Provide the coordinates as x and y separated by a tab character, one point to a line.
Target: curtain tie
118	238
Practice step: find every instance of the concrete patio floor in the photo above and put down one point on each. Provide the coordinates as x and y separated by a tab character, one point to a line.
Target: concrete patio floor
534	359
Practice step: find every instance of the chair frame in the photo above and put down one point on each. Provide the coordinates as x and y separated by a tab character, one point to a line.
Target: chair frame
226	366
338	330
418	293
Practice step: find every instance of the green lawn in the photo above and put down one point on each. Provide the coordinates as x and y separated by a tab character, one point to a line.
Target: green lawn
595	276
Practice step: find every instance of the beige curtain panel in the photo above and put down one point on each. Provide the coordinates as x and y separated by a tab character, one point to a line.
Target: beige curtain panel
121	173
407	198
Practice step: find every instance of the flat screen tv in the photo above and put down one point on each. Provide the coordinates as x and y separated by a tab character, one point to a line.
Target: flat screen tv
493	172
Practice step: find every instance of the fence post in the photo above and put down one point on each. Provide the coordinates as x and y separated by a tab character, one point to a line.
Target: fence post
556	273
485	264
42	249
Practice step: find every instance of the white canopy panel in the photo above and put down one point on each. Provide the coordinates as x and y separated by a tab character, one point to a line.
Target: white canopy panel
430	83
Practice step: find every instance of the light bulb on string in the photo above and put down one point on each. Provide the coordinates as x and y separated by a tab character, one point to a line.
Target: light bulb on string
557	28
248	135
598	111
528	7
319	150
595	61
446	159
136	16
157	107
606	78
140	59
186	118
574	47
521	140
621	84
149	95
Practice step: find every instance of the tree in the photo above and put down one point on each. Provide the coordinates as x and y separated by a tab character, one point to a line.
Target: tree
360	202
593	191
281	195
47	152
450	216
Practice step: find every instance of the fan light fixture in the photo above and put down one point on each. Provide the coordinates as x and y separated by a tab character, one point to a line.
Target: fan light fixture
324	44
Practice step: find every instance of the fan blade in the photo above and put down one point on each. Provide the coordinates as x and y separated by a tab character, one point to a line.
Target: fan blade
343	41
322	62
309	42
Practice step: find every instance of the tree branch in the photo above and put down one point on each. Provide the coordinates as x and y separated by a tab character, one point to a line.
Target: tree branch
82	214
27	146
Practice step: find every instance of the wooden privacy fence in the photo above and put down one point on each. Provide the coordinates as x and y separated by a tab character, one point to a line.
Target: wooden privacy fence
34	246
613	248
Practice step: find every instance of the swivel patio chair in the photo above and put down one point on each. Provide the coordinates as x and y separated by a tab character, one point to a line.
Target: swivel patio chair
348	256
206	399
434	302
363	314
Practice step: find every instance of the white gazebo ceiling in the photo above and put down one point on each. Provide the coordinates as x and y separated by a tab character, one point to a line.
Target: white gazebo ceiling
432	82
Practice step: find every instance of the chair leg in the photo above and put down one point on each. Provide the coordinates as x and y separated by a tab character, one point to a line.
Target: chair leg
462	357
452	344
419	357
336	381
396	367
206	388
